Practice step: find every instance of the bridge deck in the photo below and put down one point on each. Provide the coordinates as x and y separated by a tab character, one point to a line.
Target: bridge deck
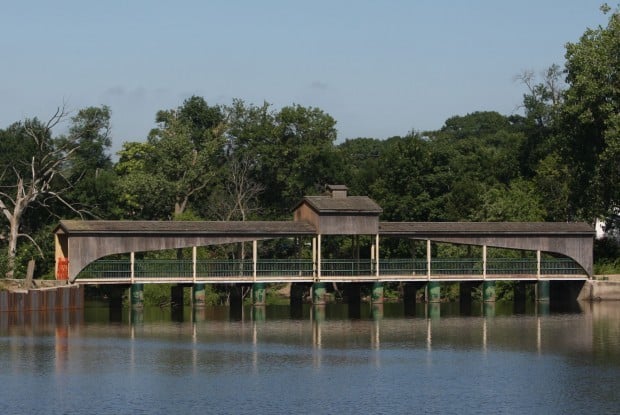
339	270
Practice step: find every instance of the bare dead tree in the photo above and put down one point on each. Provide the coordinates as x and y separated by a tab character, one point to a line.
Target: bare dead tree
34	181
241	188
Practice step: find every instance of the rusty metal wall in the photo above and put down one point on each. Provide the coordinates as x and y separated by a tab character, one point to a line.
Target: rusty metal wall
58	298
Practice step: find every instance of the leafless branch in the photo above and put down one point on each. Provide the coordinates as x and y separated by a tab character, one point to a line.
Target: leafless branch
25	235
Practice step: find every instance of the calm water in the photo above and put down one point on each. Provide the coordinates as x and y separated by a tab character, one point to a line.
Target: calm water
278	360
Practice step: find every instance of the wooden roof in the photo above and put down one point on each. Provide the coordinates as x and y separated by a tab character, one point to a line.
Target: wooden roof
349	204
185	227
305	228
487	228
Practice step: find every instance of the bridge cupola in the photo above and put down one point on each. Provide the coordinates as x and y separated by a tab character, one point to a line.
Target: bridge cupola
337	190
337	213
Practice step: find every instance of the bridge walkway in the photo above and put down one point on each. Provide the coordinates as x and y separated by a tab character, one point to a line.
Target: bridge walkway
341	270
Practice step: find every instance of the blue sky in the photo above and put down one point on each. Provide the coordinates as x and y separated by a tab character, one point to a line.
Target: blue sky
380	68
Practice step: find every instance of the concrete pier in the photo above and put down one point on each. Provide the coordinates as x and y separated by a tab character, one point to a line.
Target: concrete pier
433	292
376	296
600	290
319	293
259	294
488	292
198	295
136	293
542	291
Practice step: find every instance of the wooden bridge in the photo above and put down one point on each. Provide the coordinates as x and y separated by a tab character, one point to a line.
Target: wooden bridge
559	251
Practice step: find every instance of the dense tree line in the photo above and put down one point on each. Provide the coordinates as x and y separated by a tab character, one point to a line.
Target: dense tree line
558	161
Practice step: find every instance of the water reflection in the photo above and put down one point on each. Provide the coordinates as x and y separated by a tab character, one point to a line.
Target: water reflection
593	332
214	353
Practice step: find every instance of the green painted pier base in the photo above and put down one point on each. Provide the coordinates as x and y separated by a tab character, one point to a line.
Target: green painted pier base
376	296
433	292
259	293
259	313
542	291
433	310
488	291
376	311
198	295
488	309
136	293
319	293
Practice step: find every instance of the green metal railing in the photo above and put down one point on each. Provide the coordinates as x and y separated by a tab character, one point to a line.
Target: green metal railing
106	268
345	267
161	268
458	266
223	268
284	268
403	267
303	268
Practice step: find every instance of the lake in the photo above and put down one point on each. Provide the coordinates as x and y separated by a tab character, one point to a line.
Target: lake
319	360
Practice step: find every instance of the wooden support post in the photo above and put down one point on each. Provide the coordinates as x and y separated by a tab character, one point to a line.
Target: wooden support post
377	257
484	262
254	259
314	259
428	259
318	256
372	259
194	259
132	266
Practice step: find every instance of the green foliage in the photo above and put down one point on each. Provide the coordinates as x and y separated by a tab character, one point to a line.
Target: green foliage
359	163
591	119
607	256
517	202
297	159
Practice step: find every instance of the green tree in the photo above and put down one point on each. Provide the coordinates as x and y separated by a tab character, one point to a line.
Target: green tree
141	193
359	163
469	155
180	159
591	120
401	188
89	169
542	104
518	202
297	158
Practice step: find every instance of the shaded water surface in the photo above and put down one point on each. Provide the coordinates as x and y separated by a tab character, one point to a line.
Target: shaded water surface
282	360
